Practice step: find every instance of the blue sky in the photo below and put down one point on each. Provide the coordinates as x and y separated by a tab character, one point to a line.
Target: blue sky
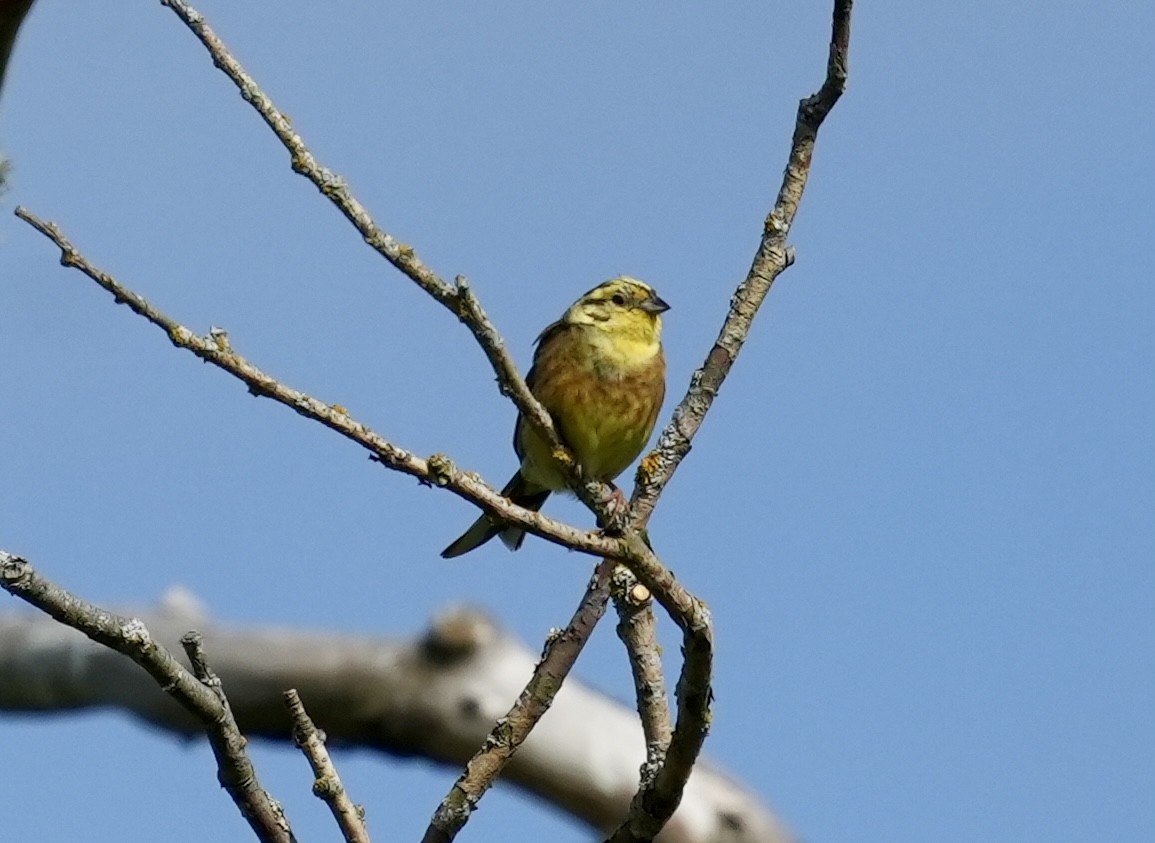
921	510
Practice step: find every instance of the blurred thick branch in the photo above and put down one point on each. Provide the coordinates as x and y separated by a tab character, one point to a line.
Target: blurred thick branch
435	696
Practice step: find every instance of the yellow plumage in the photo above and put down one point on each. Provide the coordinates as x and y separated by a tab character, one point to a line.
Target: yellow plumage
601	374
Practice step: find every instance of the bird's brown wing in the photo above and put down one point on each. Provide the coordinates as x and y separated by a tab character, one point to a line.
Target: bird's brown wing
549	335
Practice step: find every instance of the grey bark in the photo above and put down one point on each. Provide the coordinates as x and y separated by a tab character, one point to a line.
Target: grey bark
435	696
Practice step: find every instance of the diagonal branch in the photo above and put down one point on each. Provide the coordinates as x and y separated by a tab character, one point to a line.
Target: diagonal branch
561	651
332	185
327	785
438	470
200	695
772	258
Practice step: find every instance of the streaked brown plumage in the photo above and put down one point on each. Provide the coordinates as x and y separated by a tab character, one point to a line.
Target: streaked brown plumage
601	374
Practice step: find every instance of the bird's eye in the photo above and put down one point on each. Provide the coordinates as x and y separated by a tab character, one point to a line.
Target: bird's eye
618	299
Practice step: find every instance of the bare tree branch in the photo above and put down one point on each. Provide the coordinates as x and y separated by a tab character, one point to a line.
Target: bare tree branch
438	470
201	697
236	771
659	795
638	630
458	298
693	686
667	775
435	696
693	689
327	786
772	258
557	659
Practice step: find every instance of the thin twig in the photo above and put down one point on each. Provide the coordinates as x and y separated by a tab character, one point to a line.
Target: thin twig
693	692
438	470
204	701
772	258
234	770
327	785
329	183
561	651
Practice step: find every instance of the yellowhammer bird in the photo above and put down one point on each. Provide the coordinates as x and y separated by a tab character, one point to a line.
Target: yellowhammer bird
600	372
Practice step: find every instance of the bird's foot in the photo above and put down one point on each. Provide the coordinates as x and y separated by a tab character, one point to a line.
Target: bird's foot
617	512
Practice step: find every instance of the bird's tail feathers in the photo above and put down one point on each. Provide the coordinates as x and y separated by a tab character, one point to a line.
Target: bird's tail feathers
522	493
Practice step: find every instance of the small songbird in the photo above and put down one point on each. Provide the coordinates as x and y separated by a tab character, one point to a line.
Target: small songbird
600	372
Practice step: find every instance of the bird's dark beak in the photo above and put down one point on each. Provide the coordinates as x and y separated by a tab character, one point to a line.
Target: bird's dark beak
654	305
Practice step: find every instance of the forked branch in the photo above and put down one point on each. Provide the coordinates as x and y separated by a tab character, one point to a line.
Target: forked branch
327	786
661	790
202	696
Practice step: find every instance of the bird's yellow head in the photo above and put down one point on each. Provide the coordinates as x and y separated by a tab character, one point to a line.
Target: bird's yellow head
624	313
